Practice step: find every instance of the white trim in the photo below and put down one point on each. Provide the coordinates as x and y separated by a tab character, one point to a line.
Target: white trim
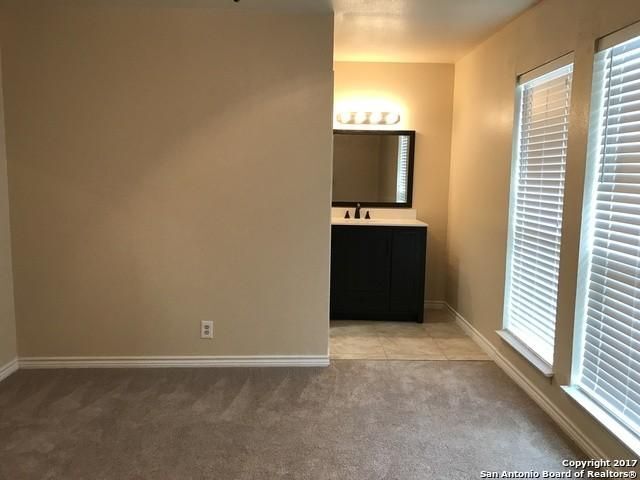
548	67
601	415
529	355
174	362
435	304
8	369
587	445
619	36
588	204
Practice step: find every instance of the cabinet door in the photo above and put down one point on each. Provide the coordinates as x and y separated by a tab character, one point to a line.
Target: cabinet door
406	296
360	267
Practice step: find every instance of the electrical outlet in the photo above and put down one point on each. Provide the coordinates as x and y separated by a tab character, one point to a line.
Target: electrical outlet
206	329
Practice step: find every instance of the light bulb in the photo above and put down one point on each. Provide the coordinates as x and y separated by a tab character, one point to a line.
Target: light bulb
392	118
375	117
344	117
361	117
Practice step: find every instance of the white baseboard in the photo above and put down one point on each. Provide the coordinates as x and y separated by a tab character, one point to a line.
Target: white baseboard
571	429
435	304
8	369
575	433
173	362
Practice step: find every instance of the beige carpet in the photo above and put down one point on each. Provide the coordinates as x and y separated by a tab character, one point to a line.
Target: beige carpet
354	420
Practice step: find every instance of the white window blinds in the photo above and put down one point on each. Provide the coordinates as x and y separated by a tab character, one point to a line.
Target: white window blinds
537	191
608	313
403	166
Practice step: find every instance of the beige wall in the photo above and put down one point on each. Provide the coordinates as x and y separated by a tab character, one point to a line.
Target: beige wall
423	93
167	166
480	170
7	316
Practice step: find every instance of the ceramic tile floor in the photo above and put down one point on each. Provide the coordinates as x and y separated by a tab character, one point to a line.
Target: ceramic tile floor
438	338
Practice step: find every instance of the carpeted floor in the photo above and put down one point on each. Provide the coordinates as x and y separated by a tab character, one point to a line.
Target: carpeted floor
353	420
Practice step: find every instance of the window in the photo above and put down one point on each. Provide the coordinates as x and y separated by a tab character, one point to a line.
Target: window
535	223
403	165
607	343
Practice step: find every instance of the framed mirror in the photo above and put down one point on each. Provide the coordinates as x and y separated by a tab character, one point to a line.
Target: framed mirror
373	168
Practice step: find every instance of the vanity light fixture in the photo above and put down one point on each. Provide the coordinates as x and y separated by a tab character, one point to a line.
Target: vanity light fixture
345	117
392	118
368	118
375	117
360	117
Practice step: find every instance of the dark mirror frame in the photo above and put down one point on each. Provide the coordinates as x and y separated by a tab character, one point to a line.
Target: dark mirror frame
412	146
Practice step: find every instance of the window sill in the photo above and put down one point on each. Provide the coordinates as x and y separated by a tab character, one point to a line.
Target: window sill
532	357
631	441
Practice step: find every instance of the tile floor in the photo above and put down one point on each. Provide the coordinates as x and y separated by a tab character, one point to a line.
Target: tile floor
438	338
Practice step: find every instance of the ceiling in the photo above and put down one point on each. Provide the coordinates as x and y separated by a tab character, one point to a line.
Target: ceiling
417	30
389	30
404	30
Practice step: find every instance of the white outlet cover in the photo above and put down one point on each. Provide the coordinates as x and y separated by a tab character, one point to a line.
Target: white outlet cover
206	329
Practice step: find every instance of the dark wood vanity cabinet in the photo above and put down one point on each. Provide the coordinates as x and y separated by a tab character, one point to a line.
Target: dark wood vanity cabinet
377	272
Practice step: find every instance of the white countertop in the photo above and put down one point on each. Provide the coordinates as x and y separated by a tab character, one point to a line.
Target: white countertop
380	217
379	222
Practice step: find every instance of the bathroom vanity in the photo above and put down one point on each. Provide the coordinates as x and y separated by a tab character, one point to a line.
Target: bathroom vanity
377	263
378	269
